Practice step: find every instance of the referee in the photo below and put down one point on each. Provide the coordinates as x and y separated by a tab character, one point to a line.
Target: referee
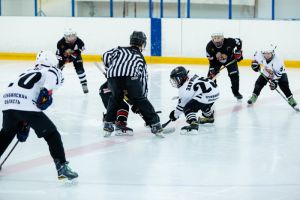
126	71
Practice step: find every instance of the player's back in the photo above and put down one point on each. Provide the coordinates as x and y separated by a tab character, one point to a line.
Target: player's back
23	92
201	89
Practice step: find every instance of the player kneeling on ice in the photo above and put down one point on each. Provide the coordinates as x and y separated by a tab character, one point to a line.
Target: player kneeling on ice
273	71
23	103
195	93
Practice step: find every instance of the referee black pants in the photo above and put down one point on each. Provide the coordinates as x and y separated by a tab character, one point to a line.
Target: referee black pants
134	88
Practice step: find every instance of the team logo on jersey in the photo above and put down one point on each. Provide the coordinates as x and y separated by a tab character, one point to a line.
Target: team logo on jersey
221	57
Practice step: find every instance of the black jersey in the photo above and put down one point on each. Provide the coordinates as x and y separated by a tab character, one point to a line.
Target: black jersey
223	55
75	49
126	62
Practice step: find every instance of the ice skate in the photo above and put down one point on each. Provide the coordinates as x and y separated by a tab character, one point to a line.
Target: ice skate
206	120
157	130
252	99
238	96
293	103
108	129
190	129
64	172
85	89
123	130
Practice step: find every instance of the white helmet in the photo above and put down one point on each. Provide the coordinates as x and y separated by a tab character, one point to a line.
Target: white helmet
70	35
46	59
270	48
269	52
218	39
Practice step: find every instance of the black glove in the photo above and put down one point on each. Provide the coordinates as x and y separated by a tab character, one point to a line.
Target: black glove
44	99
172	116
23	131
273	85
212	72
255	66
135	109
238	55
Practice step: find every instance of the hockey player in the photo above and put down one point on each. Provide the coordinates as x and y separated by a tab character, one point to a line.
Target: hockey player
23	105
126	70
69	49
122	112
273	71
195	93
221	51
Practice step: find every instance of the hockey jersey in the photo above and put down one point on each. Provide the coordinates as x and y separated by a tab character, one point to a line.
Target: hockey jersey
201	89
23	92
274	69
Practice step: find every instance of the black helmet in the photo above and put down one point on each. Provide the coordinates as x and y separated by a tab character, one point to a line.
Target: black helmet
178	76
138	38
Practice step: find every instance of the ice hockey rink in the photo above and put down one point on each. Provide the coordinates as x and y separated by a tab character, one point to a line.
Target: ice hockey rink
250	153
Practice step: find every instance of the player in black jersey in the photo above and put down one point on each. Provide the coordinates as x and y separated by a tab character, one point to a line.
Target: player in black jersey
69	49
221	51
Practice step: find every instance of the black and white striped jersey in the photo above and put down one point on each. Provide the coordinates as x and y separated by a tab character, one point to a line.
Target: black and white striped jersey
126	62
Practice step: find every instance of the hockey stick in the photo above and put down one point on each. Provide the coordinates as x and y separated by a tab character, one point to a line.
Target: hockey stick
8	154
223	67
269	81
166	124
100	68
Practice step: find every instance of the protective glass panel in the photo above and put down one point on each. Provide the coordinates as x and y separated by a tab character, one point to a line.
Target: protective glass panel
54	8
17	8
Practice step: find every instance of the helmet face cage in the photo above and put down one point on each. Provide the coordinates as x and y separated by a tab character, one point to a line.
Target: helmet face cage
70	36
178	76
217	39
269	52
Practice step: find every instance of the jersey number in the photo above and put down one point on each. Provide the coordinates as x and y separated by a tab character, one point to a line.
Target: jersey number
29	80
203	86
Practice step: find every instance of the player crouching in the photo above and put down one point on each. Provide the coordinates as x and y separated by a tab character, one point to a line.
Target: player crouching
195	93
273	72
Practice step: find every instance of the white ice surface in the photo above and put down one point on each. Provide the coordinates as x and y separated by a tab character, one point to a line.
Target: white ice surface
250	153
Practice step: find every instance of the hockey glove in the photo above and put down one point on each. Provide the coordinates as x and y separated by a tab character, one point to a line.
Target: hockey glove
238	55
212	73
23	131
273	85
172	116
44	99
255	66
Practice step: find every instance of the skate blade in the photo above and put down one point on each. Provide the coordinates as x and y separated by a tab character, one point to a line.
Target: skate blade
186	132
127	133
160	135
169	130
73	181
107	134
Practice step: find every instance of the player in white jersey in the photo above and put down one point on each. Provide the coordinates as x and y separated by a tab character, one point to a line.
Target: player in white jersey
195	93
273	70
23	103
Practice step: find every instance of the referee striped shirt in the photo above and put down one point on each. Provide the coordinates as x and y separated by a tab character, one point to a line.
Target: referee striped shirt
126	62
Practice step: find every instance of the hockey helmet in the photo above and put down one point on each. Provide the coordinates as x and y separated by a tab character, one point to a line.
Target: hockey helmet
178	76
269	51
70	35
46	59
217	39
138	38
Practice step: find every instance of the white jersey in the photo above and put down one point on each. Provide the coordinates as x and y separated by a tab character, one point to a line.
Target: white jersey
274	69
201	89
22	94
